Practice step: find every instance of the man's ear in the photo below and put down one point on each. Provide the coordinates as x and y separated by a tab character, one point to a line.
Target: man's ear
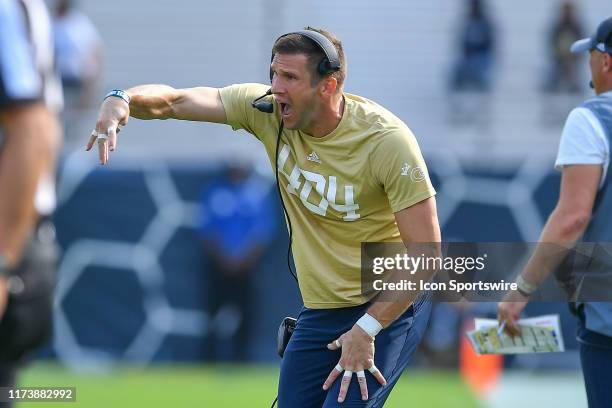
329	85
607	62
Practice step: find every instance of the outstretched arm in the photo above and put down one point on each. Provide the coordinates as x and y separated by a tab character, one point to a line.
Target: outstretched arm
200	104
154	102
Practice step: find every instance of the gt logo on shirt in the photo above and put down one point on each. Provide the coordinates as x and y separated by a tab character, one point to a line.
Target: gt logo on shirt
301	183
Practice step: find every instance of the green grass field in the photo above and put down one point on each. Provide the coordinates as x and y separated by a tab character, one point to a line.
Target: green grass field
224	386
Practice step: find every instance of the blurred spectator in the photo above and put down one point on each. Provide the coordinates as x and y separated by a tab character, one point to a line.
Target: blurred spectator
563	78
471	76
30	97
477	42
79	59
237	224
564	70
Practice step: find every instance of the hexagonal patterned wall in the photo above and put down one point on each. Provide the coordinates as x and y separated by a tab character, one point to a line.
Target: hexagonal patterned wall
133	282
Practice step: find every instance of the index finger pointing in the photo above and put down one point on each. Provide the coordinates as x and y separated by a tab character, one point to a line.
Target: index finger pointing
103	149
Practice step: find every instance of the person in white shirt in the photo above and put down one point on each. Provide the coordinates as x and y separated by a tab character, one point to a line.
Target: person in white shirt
582	213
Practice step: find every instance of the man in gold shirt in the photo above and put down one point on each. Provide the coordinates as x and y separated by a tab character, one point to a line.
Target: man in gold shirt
349	171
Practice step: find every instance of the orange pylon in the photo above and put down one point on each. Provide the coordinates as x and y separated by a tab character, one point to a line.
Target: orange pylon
480	372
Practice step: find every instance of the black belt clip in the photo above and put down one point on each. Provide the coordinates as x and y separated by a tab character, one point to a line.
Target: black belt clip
285	330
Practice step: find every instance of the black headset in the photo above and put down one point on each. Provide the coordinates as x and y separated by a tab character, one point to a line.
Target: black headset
329	64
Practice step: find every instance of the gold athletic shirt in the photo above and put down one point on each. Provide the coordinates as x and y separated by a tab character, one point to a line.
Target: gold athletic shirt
339	190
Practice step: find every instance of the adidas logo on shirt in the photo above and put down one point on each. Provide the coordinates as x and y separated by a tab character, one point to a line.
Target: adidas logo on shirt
313	157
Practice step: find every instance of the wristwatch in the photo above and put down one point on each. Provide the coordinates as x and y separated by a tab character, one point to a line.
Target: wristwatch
4	269
525	288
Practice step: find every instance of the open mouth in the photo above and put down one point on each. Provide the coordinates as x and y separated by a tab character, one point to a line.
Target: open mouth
285	109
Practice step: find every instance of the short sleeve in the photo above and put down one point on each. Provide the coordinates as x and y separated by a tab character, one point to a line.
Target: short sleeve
583	140
240	113
399	167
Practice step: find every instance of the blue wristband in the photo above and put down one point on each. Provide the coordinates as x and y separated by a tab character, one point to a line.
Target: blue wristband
118	93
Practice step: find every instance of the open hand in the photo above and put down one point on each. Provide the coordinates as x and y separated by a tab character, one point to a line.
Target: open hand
357	356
